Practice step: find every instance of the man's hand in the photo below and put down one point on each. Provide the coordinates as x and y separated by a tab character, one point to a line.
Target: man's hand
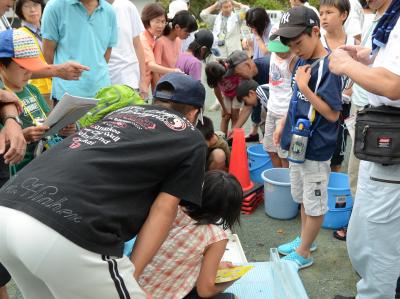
7	97
11	135
339	60
70	70
302	77
68	130
34	133
359	53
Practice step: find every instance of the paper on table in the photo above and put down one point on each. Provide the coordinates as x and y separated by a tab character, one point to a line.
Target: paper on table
229	274
233	253
68	111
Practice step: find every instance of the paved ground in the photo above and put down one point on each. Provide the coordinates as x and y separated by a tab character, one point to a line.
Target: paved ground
330	275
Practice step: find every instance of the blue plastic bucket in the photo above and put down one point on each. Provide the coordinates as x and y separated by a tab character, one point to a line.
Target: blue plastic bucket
259	161
278	199
340	202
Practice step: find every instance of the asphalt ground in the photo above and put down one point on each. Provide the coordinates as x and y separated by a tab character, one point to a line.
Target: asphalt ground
331	273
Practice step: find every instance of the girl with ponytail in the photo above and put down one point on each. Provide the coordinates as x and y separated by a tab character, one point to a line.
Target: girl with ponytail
168	46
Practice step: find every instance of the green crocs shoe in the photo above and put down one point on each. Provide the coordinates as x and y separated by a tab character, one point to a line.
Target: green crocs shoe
290	247
302	262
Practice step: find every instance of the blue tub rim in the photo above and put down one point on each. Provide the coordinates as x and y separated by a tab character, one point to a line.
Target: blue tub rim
340	174
257	154
259	166
267	180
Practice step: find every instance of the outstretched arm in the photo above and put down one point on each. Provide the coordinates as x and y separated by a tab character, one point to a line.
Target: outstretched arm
206	286
67	71
137	44
377	80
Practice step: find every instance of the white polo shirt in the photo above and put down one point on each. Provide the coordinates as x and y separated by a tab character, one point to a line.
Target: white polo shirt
388	57
123	64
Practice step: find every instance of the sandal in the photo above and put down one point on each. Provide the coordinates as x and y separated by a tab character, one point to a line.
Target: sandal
340	234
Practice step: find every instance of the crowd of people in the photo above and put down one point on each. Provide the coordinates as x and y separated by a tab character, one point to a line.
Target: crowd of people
306	76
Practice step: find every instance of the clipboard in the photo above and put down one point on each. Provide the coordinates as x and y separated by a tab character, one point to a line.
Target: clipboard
68	111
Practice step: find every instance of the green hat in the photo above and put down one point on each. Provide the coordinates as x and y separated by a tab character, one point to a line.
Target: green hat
277	46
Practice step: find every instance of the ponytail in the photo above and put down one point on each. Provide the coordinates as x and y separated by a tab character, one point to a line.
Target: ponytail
184	20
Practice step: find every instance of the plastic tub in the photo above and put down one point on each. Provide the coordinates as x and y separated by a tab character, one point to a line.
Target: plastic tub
278	199
340	202
259	161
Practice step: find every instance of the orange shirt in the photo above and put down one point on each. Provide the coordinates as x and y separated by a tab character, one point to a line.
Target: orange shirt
148	42
166	51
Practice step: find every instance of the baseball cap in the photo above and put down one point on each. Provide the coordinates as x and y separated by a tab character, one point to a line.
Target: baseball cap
276	45
176	6
205	38
21	48
234	59
185	90
295	21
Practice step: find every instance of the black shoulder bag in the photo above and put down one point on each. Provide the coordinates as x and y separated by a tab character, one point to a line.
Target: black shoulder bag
377	135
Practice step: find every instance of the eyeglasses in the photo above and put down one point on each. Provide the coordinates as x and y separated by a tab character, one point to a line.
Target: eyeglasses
31	5
159	22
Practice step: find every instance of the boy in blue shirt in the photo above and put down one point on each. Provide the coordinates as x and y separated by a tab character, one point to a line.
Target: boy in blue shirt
316	97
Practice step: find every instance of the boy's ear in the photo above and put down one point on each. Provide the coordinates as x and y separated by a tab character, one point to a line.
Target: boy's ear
316	30
252	92
345	15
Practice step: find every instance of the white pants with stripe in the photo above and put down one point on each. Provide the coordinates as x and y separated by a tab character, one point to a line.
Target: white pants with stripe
45	265
373	239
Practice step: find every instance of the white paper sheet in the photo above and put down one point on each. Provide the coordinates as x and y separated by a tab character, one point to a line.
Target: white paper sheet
68	111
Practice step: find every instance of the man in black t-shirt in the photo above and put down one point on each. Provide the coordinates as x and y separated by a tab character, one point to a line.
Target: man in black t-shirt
71	209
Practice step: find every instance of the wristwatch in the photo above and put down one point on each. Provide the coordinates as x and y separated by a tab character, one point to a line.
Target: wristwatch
14	117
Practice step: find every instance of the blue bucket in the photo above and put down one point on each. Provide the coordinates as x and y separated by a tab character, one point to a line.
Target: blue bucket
340	202
278	199
259	161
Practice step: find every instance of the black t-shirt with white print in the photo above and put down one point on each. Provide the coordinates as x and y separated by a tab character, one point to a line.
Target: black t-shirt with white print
97	186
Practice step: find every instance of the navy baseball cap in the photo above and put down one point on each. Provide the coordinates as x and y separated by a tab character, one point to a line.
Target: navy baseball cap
295	21
185	90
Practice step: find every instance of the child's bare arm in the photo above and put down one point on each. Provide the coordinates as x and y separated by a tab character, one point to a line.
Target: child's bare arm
220	98
154	231
205	285
276	137
303	75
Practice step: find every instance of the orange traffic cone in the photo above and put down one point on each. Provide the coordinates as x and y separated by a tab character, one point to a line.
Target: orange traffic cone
238	165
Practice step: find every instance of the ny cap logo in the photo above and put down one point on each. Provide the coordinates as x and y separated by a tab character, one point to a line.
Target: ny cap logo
312	22
285	18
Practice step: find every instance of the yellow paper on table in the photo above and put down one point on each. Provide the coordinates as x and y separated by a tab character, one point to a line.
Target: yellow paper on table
229	274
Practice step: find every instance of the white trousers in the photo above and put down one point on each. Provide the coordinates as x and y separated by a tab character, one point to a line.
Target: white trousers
373	240
45	265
